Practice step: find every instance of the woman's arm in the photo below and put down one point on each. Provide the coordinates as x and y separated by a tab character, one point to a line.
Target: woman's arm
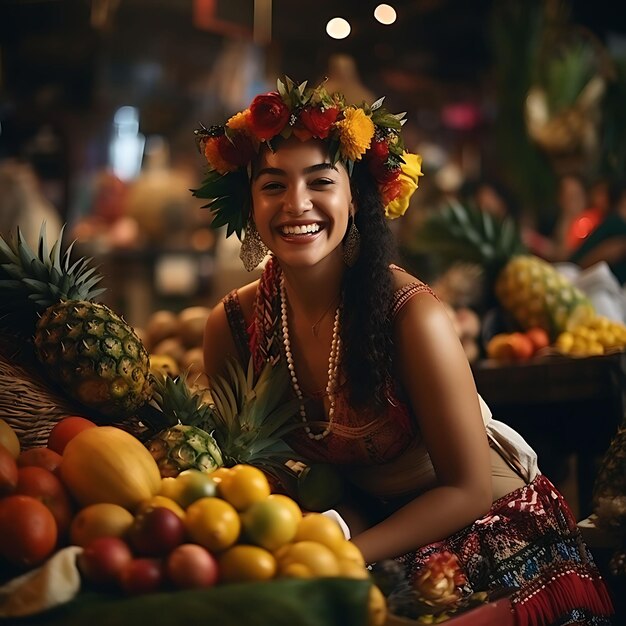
435	372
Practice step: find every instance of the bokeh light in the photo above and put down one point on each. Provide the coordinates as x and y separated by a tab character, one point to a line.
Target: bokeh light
385	14
338	28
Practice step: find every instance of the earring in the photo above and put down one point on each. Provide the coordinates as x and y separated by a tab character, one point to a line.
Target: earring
253	250
351	244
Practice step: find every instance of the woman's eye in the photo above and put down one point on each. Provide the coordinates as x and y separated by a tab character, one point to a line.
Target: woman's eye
272	186
322	181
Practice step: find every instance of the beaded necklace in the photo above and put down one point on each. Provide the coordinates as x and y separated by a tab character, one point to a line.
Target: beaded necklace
333	366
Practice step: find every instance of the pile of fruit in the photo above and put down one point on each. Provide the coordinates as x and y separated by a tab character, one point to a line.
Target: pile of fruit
174	342
99	488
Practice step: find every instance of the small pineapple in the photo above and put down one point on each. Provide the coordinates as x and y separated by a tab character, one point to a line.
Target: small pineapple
246	418
89	350
182	415
527	287
251	418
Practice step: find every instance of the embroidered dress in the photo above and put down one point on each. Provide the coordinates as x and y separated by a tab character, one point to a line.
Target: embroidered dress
528	542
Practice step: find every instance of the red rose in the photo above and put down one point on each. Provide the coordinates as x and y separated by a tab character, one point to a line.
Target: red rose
318	121
237	150
379	151
392	189
382	173
268	115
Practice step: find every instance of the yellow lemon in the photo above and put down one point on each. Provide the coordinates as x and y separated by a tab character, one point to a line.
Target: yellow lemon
220	474
270	523
243	486
350	569
349	552
213	523
164	502
324	530
377	607
288	502
244	563
305	559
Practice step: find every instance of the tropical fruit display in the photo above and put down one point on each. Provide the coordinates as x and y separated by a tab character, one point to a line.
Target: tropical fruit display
528	288
140	533
81	344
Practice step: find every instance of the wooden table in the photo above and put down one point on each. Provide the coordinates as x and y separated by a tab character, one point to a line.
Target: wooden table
561	406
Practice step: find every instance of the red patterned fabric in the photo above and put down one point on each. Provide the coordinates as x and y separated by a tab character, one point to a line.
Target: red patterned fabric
529	543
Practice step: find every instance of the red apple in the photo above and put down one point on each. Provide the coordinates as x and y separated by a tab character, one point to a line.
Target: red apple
43	485
103	560
156	531
142	576
190	566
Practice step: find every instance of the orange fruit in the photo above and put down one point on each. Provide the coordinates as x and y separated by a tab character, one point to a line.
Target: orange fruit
539	338
213	523
348	551
521	345
244	485
28	532
100	520
244	563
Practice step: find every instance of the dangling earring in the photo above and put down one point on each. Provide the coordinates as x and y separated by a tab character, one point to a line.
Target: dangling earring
351	244
253	250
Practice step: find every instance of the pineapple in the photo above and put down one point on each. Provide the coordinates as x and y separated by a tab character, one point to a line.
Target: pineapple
527	287
183	443
246	418
90	351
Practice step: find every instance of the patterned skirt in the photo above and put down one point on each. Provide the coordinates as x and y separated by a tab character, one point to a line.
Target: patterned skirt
529	544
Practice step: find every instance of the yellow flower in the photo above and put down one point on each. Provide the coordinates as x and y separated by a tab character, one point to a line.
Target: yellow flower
215	159
356	130
239	121
411	171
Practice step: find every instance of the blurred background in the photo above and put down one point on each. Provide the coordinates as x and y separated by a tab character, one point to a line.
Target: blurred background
99	100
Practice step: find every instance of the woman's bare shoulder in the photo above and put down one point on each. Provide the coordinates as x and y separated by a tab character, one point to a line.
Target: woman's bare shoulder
401	277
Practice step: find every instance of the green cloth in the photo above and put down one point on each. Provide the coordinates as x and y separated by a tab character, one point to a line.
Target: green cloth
284	602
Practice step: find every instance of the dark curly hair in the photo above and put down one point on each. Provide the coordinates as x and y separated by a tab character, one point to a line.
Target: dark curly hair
366	330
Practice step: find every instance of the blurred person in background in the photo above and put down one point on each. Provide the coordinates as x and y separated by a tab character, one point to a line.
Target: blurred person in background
607	242
23	205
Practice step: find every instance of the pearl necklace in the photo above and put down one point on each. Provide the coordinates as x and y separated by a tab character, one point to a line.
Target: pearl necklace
333	367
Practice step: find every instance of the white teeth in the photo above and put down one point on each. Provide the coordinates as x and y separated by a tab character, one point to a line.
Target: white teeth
300	230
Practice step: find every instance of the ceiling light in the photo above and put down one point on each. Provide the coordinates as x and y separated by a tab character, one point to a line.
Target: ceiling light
338	28
385	14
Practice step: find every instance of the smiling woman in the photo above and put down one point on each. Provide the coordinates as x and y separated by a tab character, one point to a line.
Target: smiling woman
383	389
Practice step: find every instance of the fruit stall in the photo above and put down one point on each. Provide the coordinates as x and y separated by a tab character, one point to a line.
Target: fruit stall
129	493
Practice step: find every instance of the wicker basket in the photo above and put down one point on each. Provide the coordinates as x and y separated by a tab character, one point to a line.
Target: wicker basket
32	405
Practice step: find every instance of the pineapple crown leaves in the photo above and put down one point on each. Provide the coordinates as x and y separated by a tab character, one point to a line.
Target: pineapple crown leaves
175	402
31	282
251	418
459	232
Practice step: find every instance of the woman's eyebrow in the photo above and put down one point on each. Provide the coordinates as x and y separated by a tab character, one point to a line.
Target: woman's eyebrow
275	171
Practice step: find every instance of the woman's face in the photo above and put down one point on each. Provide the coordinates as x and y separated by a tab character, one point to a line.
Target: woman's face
300	202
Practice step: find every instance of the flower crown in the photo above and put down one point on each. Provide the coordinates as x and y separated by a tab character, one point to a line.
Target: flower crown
354	133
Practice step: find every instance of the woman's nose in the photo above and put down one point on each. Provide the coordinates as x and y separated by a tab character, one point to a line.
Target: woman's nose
297	199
